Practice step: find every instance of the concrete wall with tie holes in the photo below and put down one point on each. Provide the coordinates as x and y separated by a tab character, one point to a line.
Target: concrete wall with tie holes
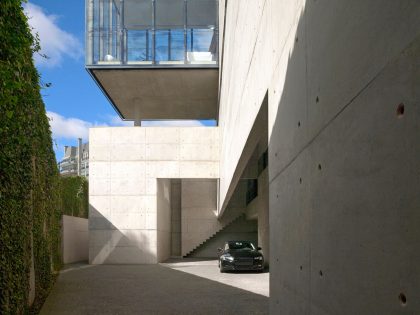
130	190
342	79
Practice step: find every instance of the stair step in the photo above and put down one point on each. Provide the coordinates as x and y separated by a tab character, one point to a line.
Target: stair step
213	235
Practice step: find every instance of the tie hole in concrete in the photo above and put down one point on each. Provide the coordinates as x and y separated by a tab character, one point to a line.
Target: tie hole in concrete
400	110
403	299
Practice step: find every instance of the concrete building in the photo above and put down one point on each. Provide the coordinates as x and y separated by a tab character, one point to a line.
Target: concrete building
315	154
75	161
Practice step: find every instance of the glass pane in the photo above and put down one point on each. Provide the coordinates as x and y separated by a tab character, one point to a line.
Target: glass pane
114	39
162	47
201	45
138	14
200	39
169	14
139	45
169	45
115	28
201	13
95	39
177	45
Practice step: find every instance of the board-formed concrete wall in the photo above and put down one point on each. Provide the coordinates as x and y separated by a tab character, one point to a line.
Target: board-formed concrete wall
344	117
125	163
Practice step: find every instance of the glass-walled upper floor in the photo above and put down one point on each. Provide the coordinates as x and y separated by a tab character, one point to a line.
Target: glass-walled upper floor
152	32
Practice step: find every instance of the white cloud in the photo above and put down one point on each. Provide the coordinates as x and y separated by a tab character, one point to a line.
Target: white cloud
115	120
172	123
55	42
72	128
68	128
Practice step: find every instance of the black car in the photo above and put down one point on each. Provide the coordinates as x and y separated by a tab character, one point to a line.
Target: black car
240	255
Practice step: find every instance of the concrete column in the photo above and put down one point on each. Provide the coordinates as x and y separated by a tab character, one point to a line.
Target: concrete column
263	216
176	217
163	220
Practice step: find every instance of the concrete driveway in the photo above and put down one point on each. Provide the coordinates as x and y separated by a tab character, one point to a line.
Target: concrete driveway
251	281
176	287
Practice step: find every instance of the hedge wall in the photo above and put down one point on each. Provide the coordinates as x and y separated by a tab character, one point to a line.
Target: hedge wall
29	181
74	194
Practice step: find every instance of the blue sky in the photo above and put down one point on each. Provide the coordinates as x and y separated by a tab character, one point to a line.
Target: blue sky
73	102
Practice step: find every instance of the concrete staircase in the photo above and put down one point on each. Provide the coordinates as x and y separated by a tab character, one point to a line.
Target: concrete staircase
199	220
222	228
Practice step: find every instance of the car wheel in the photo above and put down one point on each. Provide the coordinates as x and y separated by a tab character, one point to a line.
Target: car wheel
221	268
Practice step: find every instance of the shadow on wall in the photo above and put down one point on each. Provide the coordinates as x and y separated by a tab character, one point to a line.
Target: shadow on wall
111	245
240	230
343	191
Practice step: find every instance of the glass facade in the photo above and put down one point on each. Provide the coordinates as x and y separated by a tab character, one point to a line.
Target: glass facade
152	32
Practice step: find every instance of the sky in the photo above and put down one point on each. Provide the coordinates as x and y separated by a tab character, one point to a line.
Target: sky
73	101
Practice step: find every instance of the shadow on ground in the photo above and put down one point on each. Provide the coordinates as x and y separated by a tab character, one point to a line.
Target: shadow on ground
145	289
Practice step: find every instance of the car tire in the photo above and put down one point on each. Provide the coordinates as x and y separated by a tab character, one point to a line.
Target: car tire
221	269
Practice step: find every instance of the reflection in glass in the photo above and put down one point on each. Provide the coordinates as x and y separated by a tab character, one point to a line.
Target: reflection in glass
152	32
139	43
169	45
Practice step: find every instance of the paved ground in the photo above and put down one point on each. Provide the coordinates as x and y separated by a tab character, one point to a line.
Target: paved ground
251	281
155	289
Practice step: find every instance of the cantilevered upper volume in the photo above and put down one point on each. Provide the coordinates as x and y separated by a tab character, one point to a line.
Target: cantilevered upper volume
155	59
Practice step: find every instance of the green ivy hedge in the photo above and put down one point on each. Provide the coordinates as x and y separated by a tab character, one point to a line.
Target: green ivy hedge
29	180
74	194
